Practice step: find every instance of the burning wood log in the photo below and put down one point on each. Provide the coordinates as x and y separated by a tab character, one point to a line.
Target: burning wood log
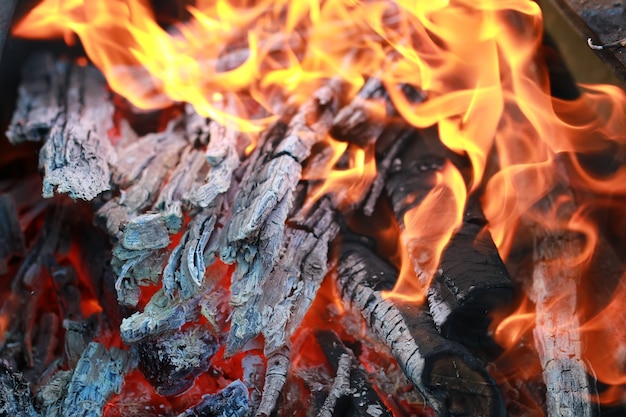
555	279
446	374
67	106
471	279
363	398
254	233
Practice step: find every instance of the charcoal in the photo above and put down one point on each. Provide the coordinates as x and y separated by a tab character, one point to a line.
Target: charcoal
232	401
172	361
15	394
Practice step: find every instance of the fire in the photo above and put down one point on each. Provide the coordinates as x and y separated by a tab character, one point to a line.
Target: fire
244	64
428	228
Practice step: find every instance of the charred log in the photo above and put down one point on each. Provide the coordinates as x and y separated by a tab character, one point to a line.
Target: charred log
471	279
15	394
555	279
68	106
451	379
254	233
232	401
11	237
364	400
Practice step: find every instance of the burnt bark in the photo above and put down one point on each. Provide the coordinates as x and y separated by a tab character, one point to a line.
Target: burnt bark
450	378
15	394
471	279
254	233
556	277
232	401
364	400
68	107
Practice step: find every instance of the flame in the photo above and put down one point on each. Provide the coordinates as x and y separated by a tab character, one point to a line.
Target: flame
428	228
347	184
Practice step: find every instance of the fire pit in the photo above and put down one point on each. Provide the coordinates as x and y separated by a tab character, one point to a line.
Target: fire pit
265	208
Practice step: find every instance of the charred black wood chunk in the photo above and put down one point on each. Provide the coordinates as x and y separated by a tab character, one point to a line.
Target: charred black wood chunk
232	401
472	279
363	400
172	361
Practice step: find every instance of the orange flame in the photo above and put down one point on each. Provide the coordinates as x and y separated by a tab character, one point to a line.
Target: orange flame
428	228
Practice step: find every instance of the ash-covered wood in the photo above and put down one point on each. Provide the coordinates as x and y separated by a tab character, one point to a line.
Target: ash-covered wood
451	379
68	106
284	296
41	97
278	363
471	279
15	394
98	375
172	361
254	233
340	387
232	401
364	400
555	279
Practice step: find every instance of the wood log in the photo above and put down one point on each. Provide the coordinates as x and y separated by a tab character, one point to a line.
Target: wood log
340	387
254	233
555	279
363	397
67	106
363	119
15	394
471	279
170	362
27	286
11	237
98	375
232	401
451	379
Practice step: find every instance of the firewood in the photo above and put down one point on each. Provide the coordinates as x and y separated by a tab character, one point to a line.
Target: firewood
278	363
363	398
171	362
557	327
40	98
15	394
11	237
232	401
27	286
446	374
74	124
98	375
140	173
160	316
340	387
254	233
284	297
471	279
363	119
